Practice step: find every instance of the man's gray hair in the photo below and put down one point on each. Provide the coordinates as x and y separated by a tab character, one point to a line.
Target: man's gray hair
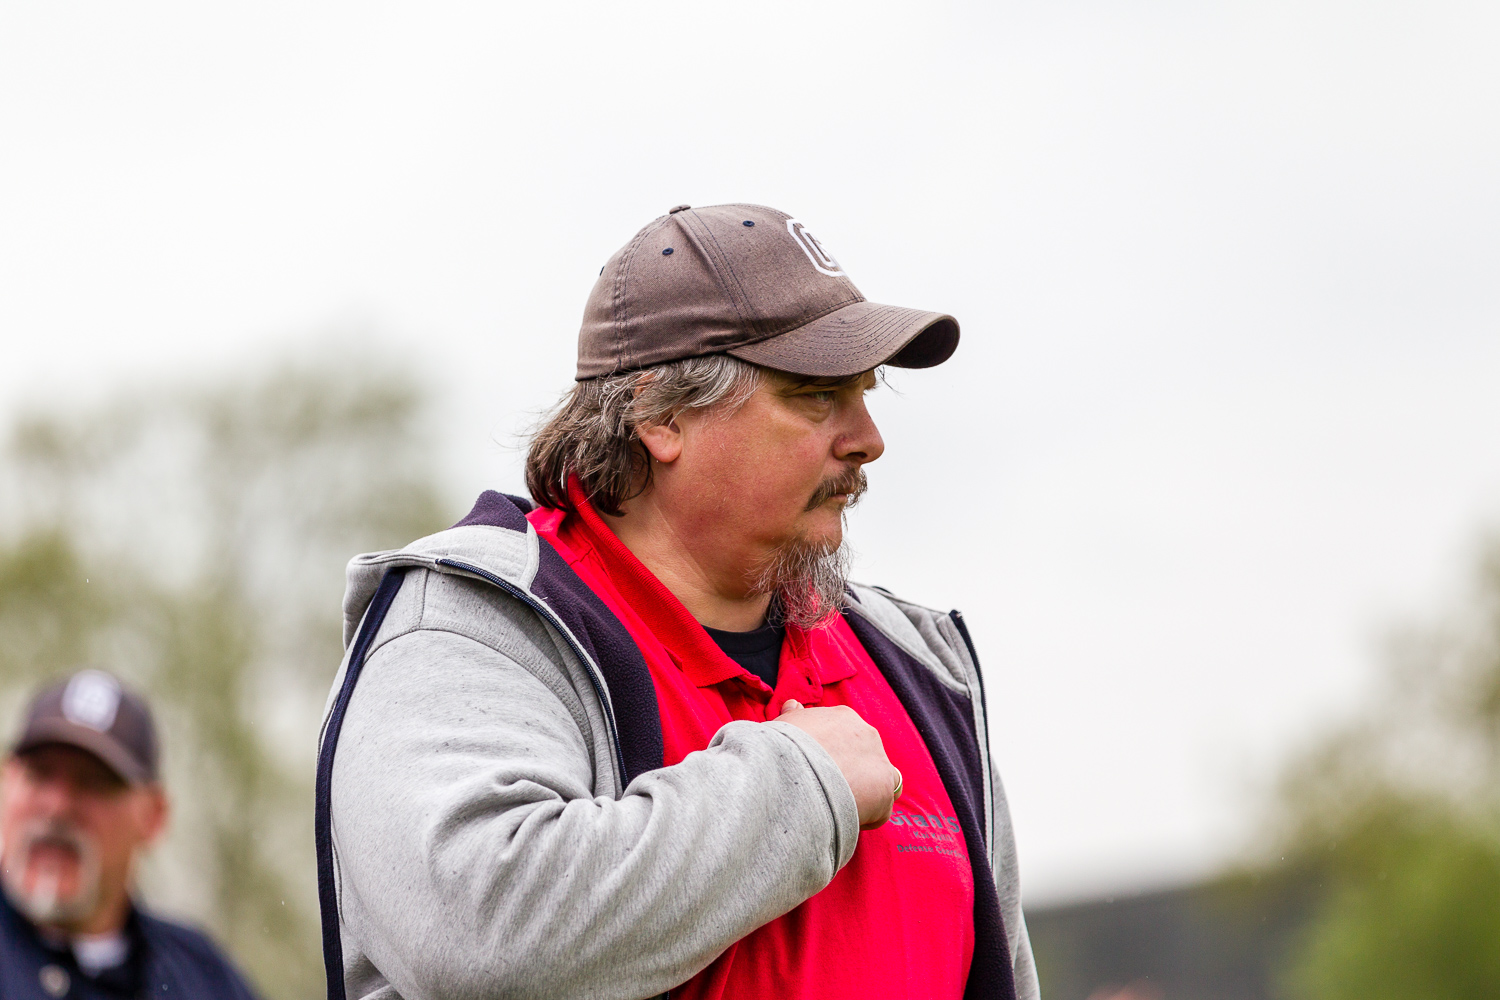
592	433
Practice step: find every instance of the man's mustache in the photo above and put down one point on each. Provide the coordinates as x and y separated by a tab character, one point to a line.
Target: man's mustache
53	833
852	481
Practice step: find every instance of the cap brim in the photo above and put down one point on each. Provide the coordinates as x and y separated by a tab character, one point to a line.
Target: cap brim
857	338
101	745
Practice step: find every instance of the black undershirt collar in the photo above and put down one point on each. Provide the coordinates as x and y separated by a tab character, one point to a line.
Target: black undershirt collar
758	651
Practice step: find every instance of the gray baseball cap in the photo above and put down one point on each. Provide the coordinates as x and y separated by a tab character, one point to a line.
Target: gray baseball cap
752	282
93	711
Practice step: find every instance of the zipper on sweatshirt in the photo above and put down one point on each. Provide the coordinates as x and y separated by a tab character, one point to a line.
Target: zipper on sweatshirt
963	630
984	747
595	679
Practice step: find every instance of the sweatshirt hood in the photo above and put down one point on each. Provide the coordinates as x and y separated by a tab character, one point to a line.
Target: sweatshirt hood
494	537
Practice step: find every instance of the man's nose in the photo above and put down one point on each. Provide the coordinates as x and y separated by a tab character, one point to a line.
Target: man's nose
861	441
53	797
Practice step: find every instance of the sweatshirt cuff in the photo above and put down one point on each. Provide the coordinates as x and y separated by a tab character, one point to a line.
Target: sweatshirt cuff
836	791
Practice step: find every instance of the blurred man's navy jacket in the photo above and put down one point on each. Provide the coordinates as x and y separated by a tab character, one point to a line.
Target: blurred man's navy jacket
166	960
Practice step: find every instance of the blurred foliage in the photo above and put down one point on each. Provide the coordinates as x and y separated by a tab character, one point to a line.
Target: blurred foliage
1413	911
1394	820
192	539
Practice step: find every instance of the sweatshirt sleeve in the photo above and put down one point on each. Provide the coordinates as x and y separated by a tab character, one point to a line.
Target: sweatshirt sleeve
474	860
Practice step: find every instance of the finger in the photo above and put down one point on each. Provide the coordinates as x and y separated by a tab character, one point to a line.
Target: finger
878	821
791	705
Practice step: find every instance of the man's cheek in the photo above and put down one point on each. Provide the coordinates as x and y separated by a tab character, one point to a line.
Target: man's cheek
790	490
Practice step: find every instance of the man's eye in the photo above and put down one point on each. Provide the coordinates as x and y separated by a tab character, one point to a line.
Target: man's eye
823	395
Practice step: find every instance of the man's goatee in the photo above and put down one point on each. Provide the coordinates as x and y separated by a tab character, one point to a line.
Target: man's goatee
806	583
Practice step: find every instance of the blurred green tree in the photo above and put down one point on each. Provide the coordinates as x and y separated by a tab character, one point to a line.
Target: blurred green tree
1395	818
193	539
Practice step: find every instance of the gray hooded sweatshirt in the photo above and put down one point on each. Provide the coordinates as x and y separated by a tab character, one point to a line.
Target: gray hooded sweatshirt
494	822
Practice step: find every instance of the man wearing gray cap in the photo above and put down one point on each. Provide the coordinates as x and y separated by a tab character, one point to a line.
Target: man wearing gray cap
639	735
80	800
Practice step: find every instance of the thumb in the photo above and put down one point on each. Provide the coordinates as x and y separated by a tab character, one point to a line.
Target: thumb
791	705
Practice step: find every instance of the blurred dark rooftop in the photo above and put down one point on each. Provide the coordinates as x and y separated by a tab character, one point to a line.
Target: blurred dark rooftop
1224	940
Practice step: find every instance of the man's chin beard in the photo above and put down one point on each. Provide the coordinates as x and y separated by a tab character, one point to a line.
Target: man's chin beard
806	581
42	902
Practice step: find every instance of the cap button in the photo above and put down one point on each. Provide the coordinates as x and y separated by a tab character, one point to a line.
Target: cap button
679	208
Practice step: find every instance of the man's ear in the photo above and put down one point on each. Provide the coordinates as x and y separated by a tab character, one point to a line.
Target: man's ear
663	442
152	811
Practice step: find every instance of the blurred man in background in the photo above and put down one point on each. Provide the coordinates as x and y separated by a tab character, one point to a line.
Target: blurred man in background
81	800
643	735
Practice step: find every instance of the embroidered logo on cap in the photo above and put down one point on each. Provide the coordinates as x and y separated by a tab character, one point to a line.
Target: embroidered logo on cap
821	259
91	699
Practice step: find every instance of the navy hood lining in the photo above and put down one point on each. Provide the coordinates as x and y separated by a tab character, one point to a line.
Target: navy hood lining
632	693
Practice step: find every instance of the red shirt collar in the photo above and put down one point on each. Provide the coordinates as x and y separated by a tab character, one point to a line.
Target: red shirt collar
697	655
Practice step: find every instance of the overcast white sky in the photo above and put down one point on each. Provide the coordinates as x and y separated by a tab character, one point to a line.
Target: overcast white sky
1226	398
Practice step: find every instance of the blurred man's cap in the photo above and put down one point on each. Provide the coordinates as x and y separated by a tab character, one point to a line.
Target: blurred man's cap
752	282
92	711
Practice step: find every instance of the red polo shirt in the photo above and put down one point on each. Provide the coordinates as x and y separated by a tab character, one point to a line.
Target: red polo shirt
898	920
